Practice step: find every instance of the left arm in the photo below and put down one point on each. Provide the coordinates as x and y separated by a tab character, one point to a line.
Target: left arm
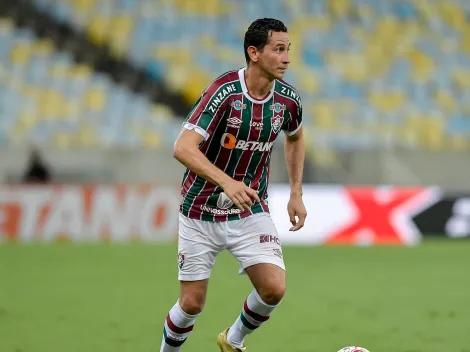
294	150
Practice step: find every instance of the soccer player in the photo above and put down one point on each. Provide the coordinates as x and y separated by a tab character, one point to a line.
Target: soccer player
226	147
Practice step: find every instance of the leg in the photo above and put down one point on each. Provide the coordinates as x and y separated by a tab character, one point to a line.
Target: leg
258	250
269	281
196	256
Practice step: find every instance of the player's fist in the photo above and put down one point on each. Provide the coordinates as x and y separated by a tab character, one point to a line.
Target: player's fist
240	194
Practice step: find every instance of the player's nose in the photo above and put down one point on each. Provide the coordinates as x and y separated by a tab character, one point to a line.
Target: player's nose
286	58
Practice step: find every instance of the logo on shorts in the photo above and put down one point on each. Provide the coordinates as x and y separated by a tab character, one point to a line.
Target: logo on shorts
269	239
180	260
277	252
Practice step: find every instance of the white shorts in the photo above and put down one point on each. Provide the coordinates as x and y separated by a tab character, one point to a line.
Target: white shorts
252	240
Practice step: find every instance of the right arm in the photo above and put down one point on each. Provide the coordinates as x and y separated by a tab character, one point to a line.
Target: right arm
186	151
199	127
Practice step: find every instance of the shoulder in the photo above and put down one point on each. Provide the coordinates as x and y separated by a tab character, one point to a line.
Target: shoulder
289	93
228	80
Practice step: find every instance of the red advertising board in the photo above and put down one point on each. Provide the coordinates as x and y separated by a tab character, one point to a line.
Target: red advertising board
149	213
89	213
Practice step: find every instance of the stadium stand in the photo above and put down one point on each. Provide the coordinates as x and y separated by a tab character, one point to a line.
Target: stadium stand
47	98
372	73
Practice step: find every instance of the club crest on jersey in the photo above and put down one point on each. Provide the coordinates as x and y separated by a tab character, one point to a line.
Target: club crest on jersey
276	122
277	107
238	105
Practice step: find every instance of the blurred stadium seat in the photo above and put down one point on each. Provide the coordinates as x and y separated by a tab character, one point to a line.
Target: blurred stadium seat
372	73
47	98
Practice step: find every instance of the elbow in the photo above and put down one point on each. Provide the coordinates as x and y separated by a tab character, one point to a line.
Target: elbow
177	151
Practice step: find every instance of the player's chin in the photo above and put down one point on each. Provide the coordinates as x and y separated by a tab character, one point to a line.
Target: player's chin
279	74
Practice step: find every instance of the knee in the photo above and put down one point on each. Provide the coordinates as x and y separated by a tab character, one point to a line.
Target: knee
272	294
192	304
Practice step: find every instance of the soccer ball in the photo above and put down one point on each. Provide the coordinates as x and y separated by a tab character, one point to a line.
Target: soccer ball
353	349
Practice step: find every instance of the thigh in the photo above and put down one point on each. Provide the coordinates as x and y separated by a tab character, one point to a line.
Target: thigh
198	246
254	240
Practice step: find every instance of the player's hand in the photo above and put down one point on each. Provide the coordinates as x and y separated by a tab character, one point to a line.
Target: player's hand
241	195
296	208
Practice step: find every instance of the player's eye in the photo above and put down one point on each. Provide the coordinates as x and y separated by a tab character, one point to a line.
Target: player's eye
279	50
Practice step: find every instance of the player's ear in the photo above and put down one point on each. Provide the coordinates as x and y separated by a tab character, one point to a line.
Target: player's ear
253	53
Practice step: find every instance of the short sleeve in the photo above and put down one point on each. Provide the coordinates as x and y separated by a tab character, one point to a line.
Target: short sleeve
206	112
293	124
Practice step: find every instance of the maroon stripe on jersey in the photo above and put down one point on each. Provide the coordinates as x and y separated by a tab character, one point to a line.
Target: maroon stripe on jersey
191	175
177	329
221	161
254	134
259	170
265	207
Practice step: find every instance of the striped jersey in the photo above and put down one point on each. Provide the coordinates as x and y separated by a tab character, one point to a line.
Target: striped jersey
239	132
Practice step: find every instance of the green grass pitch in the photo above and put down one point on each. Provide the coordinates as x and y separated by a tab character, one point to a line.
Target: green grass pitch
114	298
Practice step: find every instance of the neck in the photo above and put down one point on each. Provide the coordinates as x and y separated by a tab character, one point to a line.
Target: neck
257	83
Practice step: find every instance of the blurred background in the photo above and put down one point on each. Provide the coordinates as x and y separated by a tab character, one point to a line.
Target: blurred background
92	97
101	86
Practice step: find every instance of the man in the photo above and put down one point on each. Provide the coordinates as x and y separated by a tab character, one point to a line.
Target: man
226	146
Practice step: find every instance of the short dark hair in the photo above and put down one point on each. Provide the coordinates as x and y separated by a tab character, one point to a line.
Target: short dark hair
258	33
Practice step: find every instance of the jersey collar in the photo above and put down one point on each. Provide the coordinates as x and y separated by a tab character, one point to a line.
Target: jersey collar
241	76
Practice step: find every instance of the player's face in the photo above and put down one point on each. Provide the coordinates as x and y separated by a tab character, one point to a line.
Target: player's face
274	59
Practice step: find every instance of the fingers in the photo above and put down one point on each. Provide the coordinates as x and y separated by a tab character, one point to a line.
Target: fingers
300	223
237	203
253	194
242	196
244	202
292	219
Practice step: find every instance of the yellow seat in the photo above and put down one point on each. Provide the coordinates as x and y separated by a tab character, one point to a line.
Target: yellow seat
26	120
20	54
79	71
43	47
308	80
387	101
462	78
205	8
339	8
453	14
86	136
119	32
95	99
98	29
161	112
323	116
151	139
433	133
83	6
446	101
422	65
62	140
